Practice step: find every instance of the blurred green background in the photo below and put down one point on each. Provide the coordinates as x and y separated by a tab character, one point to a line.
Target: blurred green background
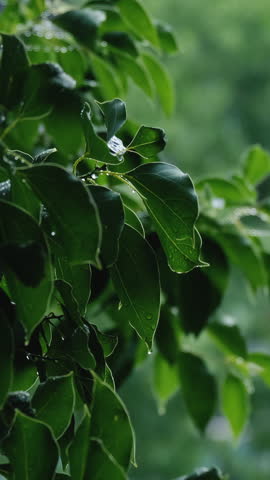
222	82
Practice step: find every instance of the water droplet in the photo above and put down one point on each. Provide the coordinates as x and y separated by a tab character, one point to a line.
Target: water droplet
133	191
28	356
120	305
53	234
116	146
62	338
149	352
83	179
148	316
94	176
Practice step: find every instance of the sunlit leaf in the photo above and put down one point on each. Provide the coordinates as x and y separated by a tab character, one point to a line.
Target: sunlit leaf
235	403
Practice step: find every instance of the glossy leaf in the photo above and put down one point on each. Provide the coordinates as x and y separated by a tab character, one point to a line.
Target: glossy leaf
27	439
198	387
108	342
27	264
44	84
148	141
23	196
162	82
171	201
64	196
43	156
79	277
83	24
115	116
96	148
89	457
111	424
138	20
133	220
111	214
136	279
235	403
54	401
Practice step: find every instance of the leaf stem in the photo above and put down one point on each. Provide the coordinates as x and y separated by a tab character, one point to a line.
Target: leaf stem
9	128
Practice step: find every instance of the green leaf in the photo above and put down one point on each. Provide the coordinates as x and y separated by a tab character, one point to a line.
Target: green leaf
78	348
111	424
166	381
166	38
263	361
138	20
195	315
171	201
235	403
54	402
246	255
205	474
107	76
133	220
89	459
229	338
198	387
137	72
162	82
168	335
256	164
148	141
72	211
111	214
45	84
14	66
233	191
136	280
79	277
27	439
108	342
96	148
6	356
69	303
23	196
83	24
121	41
27	264
115	116
255	225
42	156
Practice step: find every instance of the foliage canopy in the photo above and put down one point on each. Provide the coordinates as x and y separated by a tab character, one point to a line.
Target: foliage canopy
100	250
